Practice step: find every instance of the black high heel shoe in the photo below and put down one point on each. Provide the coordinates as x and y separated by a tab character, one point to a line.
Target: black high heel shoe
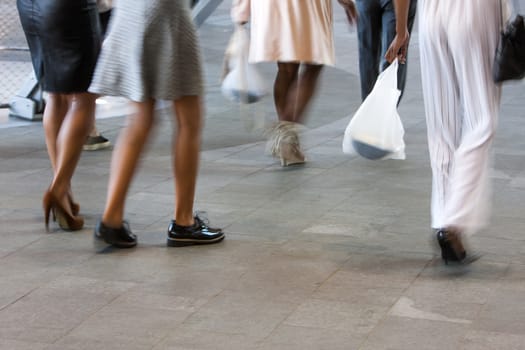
451	246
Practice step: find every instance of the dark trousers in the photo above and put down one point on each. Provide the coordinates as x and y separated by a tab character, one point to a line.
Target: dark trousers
376	28
104	21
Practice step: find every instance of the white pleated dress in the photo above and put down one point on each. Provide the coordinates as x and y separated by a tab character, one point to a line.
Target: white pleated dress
151	52
288	30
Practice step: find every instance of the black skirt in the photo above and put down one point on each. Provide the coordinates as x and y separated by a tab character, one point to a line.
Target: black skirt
64	40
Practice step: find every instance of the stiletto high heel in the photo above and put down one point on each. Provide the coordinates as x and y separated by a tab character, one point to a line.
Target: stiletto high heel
48	207
65	220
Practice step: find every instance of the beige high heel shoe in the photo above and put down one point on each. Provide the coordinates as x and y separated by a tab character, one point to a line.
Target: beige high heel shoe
290	154
284	144
65	220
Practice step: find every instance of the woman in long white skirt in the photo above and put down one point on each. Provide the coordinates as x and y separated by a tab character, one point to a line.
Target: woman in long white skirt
457	43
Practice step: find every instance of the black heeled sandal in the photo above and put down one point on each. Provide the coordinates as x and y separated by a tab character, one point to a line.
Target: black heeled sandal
452	249
451	246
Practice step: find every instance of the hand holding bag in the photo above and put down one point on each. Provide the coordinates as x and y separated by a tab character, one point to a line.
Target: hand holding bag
104	5
375	131
241	80
509	62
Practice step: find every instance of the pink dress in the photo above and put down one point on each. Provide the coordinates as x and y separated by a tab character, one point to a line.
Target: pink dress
288	30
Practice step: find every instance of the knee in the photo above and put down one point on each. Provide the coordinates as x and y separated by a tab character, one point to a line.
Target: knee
289	69
189	114
312	70
190	125
84	101
485	130
57	100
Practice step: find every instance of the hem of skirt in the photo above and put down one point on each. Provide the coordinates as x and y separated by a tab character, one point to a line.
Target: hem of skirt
269	60
141	97
309	60
64	91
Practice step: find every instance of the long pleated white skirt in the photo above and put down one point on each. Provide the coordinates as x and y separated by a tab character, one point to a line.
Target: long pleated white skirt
457	44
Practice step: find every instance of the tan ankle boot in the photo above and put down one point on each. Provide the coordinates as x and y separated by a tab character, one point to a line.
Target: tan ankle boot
283	143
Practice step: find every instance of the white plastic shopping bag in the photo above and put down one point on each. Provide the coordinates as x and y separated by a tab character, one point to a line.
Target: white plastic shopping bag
375	130
241	80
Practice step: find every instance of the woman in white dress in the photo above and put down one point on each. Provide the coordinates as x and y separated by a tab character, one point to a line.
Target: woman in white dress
298	35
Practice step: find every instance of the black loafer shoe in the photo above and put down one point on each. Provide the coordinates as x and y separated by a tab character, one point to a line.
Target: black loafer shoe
119	237
198	233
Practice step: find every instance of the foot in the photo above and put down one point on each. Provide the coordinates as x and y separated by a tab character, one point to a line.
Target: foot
452	248
284	143
62	213
196	234
121	237
96	142
75	207
291	154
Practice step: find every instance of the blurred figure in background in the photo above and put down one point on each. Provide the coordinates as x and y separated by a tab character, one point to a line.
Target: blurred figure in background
95	140
64	41
376	29
151	53
104	9
298	35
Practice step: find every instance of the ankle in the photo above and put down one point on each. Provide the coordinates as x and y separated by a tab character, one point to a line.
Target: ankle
111	223
184	217
184	222
58	192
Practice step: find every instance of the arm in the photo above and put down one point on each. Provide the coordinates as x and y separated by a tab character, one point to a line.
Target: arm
350	10
104	5
240	11
398	47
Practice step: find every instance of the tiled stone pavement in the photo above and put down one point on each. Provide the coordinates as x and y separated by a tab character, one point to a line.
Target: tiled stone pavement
334	255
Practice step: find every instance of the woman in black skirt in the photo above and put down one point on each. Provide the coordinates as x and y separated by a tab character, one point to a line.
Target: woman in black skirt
64	41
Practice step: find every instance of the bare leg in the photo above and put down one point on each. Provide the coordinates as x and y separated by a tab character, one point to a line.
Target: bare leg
54	114
186	147
293	91
186	229
94	131
286	76
300	93
56	109
70	139
125	159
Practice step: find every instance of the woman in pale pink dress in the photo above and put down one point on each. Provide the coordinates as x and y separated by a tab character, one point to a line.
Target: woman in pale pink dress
298	35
